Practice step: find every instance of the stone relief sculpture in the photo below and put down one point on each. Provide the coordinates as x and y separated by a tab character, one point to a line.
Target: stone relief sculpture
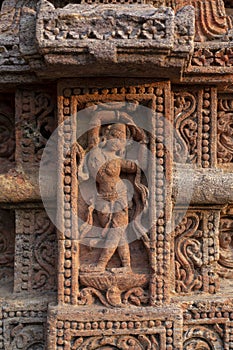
105	164
120	285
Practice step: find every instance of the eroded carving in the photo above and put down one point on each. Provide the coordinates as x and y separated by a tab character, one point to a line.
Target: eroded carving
225	131
117	342
36	241
186	125
105	165
108	169
101	272
194	116
202	338
192	255
7	249
7	137
210	18
225	262
36	122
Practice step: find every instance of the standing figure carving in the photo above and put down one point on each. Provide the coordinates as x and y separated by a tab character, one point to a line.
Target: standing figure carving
105	162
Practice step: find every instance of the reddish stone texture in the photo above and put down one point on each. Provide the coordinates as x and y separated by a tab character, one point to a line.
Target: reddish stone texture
170	286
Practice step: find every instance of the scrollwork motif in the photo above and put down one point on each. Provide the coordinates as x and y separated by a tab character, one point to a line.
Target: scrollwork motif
202	338
124	342
186	127
27	337
188	254
114	297
45	252
225	137
7	137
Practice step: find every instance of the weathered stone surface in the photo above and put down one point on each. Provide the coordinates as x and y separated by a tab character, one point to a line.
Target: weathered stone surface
110	275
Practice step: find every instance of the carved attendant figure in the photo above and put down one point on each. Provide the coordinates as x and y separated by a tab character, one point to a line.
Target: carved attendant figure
105	164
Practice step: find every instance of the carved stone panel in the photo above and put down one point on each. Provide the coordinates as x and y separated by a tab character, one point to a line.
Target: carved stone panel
35	252
195	251
7	250
36	120
157	329
225	262
90	272
195	126
225	130
23	325
7	133
208	324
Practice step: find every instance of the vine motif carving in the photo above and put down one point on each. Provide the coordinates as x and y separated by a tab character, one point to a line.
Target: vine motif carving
36	252
45	253
153	29
202	338
27	337
7	137
225	131
6	239
185	144
225	262
37	123
188	255
114	297
124	342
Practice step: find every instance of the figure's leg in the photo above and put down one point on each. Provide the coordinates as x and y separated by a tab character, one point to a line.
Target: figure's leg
110	246
124	253
121	218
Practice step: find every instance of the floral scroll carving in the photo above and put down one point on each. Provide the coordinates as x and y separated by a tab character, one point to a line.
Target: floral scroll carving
36	251
7	137
225	131
186	126
27	337
225	262
195	247
7	249
202	338
188	255
125	342
36	122
194	124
